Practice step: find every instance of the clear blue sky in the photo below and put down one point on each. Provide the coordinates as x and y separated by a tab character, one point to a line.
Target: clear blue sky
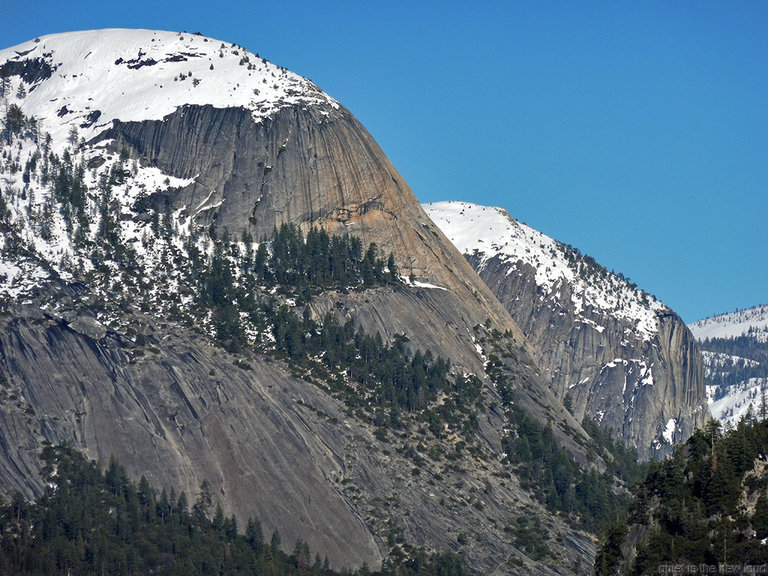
635	131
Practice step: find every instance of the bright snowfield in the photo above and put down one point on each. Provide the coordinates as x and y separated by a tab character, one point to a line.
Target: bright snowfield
741	399
491	232
751	322
134	75
743	396
97	77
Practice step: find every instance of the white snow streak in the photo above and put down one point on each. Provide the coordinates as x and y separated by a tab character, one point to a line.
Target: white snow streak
136	75
487	232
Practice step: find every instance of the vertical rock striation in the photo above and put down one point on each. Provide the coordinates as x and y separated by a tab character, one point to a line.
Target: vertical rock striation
616	354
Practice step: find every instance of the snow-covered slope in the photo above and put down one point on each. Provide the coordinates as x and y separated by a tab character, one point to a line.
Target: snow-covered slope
742	398
612	351
99	76
70	88
491	232
735	354
751	322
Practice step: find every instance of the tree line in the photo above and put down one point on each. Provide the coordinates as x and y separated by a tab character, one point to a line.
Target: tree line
692	506
586	497
90	521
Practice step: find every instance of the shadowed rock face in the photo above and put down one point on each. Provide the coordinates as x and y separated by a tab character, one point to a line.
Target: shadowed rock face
179	412
631	385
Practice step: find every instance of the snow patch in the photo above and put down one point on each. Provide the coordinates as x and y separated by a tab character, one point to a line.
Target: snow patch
485	233
669	431
99	76
419	284
742	398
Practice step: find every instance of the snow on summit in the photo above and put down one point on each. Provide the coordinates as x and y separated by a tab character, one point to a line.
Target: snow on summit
61	186
131	75
488	233
752	321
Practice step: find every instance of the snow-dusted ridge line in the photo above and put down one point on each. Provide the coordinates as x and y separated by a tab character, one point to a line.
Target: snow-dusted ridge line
733	324
488	232
99	76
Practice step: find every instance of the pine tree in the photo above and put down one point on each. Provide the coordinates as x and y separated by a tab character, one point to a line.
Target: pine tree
14	121
392	267
275	541
5	82
204	502
254	536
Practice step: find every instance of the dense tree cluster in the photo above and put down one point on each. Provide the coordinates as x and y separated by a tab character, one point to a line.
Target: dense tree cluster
379	380
587	497
388	374
319	261
231	280
94	522
17	124
706	504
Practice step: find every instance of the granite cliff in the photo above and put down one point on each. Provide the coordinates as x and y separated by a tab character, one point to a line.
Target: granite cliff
617	355
132	160
143	175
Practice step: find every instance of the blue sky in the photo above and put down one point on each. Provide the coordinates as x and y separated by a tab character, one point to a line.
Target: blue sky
634	131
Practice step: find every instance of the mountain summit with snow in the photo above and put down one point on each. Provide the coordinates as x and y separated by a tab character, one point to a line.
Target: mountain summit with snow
86	80
599	338
485	233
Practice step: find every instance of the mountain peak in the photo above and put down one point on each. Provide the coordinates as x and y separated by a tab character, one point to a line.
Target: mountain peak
489	232
598	338
90	78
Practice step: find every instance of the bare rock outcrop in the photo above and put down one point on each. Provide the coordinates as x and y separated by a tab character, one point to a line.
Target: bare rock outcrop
306	166
649	391
607	349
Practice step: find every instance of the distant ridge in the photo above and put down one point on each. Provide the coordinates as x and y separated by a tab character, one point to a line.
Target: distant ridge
750	321
735	353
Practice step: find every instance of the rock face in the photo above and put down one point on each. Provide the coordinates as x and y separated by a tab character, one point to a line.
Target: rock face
315	166
619	356
166	161
180	411
271	445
